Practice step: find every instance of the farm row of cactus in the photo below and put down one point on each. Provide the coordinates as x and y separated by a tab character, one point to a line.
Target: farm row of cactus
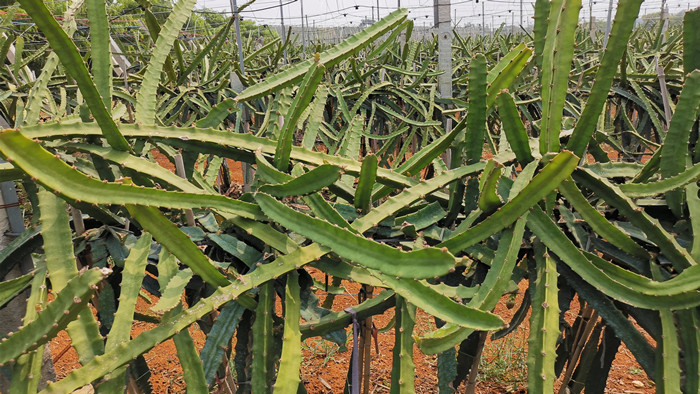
351	169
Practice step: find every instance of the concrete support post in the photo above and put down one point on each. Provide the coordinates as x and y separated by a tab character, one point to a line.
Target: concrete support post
284	31
444	25
608	24
237	86
520	22
664	17
119	59
303	28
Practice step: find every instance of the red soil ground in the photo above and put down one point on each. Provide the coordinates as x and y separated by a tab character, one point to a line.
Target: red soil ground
325	368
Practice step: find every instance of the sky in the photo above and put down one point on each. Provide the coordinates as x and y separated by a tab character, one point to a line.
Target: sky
351	12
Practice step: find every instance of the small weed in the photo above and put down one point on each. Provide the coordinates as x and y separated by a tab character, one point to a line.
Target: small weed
322	349
635	371
504	361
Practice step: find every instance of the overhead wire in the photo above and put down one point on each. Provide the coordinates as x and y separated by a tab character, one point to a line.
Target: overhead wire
344	15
